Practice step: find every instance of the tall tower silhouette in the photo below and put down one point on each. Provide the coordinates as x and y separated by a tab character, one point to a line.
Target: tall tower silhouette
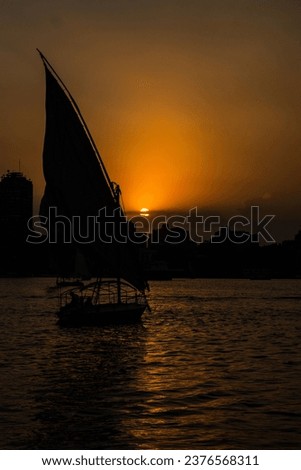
16	195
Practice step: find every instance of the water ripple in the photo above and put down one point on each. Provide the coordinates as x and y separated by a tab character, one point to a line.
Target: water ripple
217	365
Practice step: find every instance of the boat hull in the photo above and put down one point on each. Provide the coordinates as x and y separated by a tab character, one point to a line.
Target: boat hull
101	314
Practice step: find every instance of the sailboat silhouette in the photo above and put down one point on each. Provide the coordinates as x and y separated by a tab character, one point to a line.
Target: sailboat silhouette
79	187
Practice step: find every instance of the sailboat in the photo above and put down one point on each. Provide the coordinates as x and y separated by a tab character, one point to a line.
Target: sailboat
84	200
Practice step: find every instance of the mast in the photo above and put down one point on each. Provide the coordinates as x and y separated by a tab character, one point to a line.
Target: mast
117	192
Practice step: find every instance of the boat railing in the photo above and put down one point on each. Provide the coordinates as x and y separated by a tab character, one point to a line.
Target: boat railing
104	292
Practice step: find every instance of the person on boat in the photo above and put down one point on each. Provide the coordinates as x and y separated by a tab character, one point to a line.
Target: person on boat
75	299
88	301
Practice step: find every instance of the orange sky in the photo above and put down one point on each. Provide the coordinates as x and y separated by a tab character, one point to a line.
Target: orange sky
190	102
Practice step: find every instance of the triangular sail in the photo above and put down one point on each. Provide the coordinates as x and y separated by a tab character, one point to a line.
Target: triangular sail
78	186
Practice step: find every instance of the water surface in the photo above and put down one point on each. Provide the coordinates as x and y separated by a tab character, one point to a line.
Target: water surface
215	365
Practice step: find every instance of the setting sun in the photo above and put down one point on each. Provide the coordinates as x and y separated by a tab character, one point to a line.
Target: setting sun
144	211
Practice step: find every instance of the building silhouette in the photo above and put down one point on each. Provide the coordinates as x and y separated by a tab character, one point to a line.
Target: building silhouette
16	200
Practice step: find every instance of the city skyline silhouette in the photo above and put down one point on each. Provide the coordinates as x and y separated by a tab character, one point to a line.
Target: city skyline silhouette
189	105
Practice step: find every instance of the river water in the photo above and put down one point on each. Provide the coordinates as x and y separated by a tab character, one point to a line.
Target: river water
215	365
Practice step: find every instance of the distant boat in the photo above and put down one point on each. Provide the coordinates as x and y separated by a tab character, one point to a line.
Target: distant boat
67	282
157	270
79	188
260	275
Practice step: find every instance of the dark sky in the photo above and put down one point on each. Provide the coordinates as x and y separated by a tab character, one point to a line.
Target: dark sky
191	102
